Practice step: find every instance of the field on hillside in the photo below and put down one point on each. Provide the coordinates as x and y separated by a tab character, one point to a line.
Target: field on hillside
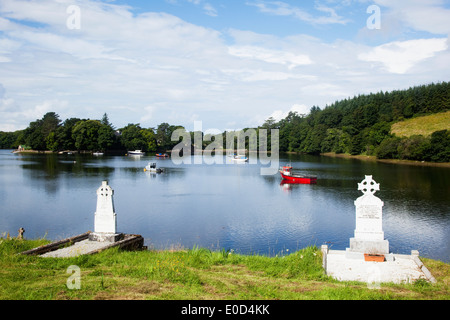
424	126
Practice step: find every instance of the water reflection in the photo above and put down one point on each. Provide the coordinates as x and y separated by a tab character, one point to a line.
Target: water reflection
50	171
226	205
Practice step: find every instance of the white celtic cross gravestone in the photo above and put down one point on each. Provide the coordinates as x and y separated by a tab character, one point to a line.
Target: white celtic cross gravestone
369	235
105	224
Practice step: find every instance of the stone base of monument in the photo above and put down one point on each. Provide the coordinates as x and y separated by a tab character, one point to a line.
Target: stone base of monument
396	268
105	237
360	247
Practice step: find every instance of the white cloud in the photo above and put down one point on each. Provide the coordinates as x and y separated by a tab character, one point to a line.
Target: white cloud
299	108
430	16
207	7
401	56
210	10
151	67
280	8
253	75
271	56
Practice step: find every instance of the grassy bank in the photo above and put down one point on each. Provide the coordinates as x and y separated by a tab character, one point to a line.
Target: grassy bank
195	274
393	161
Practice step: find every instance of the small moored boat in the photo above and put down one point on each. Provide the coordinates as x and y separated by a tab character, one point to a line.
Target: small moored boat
240	158
151	167
136	153
289	176
162	155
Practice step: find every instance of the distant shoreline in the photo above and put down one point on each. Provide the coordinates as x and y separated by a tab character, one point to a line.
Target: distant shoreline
326	154
393	161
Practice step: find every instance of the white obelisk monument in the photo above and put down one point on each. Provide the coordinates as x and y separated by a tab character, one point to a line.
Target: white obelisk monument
105	224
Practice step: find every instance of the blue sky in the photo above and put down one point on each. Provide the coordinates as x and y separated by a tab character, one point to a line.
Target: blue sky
230	64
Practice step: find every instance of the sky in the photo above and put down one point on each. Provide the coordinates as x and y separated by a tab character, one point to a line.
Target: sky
225	64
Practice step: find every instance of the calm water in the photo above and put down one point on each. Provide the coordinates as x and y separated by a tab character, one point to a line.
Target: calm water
228	206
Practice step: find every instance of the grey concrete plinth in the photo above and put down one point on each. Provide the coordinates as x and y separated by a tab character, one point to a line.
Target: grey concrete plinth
396	269
77	249
105	237
369	246
82	245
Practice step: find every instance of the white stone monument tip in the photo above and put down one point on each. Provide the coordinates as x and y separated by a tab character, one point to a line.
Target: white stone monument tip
105	224
368	186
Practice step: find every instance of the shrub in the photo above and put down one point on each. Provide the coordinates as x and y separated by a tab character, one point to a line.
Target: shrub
440	146
388	149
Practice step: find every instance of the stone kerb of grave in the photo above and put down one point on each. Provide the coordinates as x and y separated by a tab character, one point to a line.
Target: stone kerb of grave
105	224
368	258
369	236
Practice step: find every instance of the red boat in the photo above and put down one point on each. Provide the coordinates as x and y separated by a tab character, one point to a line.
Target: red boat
162	155
286	174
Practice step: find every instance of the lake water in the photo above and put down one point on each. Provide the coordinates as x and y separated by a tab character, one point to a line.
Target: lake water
225	206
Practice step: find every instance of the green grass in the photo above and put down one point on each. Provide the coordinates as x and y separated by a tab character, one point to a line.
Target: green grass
194	274
424	126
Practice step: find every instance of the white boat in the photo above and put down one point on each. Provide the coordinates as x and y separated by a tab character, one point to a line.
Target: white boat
151	167
240	158
136	153
97	153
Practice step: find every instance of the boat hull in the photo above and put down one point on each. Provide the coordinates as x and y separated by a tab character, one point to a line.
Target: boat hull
240	160
136	153
155	170
298	179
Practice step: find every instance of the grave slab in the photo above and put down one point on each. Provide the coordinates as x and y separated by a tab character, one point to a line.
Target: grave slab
399	269
355	263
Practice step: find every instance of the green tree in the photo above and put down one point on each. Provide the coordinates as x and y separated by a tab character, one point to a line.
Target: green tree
64	134
269	124
150	139
51	141
38	131
50	122
388	149
86	134
416	147
34	137
164	136
132	137
105	121
440	146
106	137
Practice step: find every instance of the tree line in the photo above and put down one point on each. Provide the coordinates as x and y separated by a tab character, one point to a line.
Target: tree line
358	125
52	134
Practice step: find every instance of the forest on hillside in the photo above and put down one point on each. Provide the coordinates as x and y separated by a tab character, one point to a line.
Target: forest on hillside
358	125
362	125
